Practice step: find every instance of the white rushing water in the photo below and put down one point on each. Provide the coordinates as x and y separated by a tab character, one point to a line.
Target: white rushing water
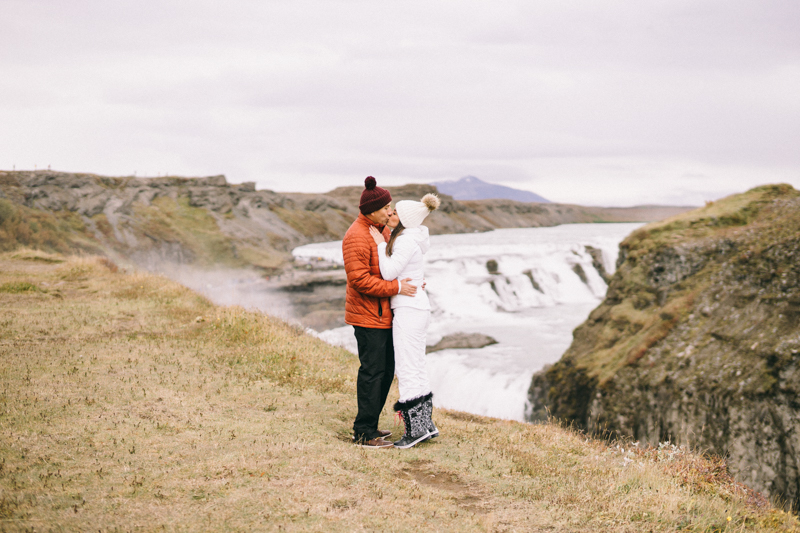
530	306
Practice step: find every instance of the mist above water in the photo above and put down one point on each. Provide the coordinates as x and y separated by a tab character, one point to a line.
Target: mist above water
242	287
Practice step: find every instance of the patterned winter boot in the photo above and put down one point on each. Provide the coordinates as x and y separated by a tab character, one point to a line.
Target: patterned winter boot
432	429
416	430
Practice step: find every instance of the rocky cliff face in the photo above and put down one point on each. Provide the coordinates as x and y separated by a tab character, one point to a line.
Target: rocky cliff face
698	341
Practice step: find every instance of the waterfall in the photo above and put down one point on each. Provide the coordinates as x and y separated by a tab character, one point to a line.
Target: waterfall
528	288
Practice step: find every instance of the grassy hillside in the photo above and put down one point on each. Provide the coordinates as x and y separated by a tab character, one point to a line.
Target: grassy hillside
129	402
60	231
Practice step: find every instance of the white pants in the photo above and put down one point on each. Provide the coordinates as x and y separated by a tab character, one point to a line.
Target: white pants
409	329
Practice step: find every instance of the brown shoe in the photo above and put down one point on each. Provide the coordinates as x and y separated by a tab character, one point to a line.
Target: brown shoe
382	433
375	443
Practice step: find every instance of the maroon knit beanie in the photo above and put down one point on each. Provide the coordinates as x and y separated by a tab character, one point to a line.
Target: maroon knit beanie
373	197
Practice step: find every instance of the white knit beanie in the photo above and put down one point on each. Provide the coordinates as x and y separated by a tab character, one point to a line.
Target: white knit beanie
412	213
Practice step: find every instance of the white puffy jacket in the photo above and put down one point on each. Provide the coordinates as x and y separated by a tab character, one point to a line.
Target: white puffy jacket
406	262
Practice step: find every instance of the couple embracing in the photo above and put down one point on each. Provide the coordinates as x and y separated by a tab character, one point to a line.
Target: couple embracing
389	310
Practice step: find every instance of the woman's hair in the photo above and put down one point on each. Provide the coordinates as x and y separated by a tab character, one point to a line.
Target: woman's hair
395	234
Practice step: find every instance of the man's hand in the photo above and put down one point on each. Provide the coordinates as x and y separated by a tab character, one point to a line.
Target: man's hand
407	289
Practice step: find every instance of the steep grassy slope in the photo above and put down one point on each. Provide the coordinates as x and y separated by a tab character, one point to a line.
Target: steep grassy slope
128	402
147	222
698	340
60	231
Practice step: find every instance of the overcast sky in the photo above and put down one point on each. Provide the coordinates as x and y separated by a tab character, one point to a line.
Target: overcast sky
599	103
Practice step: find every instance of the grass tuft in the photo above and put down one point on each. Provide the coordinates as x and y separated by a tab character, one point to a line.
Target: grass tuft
14	287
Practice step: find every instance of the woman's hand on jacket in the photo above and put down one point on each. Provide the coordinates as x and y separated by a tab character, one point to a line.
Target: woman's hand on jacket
376	235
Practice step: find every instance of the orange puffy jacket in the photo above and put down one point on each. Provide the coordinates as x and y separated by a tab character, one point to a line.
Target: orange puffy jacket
367	301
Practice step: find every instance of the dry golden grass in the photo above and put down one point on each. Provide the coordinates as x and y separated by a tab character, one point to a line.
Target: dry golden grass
128	402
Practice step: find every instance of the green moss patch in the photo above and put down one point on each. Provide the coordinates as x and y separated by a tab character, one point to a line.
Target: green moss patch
16	287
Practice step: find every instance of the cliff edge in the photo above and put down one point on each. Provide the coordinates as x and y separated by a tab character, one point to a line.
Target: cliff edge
697	341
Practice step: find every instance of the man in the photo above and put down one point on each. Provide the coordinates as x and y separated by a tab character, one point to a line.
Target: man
368	310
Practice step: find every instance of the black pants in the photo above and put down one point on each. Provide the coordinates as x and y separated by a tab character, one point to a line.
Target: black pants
375	375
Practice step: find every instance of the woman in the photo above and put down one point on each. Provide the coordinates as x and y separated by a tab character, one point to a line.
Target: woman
402	258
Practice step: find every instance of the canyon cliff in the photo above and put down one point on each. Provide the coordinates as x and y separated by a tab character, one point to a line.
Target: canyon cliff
697	341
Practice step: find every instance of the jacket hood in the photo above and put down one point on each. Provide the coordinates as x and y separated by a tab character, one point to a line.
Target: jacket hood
421	236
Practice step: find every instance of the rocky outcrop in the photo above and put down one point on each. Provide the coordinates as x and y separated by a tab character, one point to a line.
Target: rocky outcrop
698	341
462	340
317	295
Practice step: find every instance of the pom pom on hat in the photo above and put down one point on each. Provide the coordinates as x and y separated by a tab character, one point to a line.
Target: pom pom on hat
370	183
431	201
412	213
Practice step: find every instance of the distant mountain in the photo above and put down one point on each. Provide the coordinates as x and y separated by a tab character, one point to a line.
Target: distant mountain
471	188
